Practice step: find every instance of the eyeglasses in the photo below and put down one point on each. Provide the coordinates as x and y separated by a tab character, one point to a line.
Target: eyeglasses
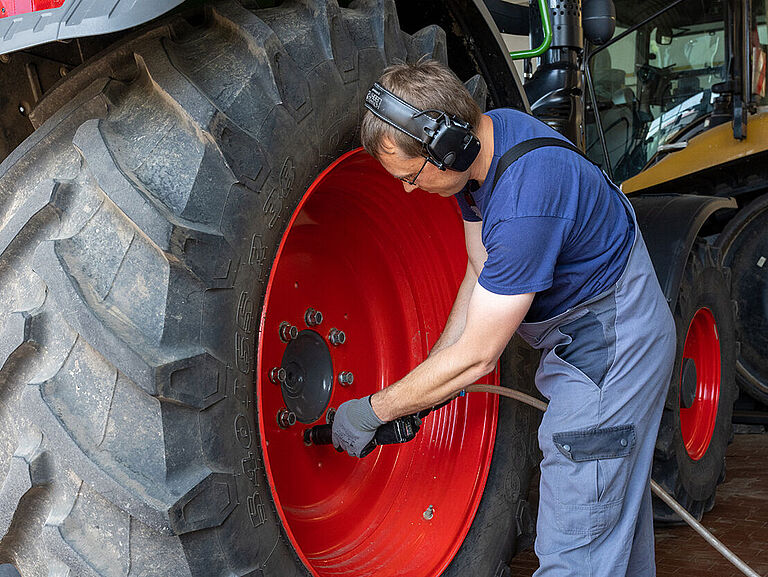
412	181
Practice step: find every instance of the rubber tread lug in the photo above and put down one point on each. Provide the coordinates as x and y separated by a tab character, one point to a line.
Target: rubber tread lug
478	89
163	150
28	469
198	381
206	505
12	336
43	196
151	510
429	41
258	88
46	263
137	206
385	28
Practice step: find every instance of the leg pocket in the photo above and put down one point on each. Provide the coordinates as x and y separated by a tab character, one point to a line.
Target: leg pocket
593	344
592	470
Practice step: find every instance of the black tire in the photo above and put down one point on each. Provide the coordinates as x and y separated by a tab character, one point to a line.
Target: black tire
743	244
693	482
138	223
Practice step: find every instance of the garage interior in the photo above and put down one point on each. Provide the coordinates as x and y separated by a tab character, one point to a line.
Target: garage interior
173	254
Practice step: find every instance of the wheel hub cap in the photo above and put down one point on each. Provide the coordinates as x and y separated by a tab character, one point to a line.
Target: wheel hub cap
309	376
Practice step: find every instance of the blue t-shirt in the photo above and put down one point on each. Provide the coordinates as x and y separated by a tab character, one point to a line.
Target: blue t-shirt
553	226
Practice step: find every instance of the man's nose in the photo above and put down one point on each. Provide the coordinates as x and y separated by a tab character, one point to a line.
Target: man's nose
409	187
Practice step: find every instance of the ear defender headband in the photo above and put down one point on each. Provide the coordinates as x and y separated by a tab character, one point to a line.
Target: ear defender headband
447	141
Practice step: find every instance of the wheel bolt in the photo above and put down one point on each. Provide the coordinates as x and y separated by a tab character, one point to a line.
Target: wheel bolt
286	418
313	317
337	337
330	415
278	375
288	332
346	378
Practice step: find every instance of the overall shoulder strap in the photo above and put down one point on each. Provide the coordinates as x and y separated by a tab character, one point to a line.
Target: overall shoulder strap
527	146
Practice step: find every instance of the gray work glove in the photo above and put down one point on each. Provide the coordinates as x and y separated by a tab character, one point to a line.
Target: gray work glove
354	426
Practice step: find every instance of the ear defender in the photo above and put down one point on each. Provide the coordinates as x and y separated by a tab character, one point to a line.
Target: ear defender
448	143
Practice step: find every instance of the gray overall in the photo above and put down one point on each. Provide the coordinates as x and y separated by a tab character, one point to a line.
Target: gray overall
605	369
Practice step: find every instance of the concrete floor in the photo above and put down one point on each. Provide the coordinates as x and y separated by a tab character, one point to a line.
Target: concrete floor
739	519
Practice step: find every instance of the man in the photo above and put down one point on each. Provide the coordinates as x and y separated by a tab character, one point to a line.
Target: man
554	254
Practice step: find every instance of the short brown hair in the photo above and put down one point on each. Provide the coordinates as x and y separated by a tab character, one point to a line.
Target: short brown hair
426	84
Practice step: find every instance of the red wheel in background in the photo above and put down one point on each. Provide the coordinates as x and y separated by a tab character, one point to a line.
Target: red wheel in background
696	423
700	383
383	267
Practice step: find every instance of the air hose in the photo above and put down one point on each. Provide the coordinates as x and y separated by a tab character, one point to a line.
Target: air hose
660	493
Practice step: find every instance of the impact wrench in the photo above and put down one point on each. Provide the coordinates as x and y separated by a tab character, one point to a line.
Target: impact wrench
405	428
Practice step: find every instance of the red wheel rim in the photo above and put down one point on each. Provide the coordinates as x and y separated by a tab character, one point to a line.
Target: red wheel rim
702	346
384	267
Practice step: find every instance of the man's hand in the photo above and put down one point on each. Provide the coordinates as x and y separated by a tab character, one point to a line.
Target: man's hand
354	426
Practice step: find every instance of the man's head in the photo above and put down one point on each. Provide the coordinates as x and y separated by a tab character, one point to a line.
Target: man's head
426	85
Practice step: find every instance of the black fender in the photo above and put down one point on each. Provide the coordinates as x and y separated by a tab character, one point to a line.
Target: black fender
669	225
475	45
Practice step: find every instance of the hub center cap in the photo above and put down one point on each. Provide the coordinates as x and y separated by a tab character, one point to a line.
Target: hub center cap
689	384
309	376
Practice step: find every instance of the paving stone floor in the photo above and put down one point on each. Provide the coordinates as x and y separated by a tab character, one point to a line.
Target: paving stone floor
739	519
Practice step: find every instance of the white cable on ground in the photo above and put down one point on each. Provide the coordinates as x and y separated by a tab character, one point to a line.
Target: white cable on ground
661	493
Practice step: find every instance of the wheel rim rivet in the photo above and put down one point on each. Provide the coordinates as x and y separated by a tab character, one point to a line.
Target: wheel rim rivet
288	332
346	378
313	317
330	415
286	418
278	375
337	337
429	513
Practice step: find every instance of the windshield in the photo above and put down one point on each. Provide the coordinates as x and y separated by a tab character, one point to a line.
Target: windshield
654	83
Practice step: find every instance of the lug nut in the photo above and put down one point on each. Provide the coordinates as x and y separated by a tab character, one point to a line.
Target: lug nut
286	418
346	378
313	317
429	513
288	332
278	375
330	415
337	337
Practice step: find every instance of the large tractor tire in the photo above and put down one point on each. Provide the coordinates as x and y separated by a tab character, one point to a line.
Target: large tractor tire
696	423
743	245
163	235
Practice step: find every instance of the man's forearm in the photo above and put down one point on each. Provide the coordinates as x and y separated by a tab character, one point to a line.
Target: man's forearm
439	377
457	318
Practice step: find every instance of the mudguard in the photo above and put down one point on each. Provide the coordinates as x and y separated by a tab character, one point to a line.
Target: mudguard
76	18
670	224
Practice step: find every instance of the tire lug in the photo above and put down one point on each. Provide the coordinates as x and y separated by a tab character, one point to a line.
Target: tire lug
313	317
346	378
288	332
286	418
278	375
337	337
